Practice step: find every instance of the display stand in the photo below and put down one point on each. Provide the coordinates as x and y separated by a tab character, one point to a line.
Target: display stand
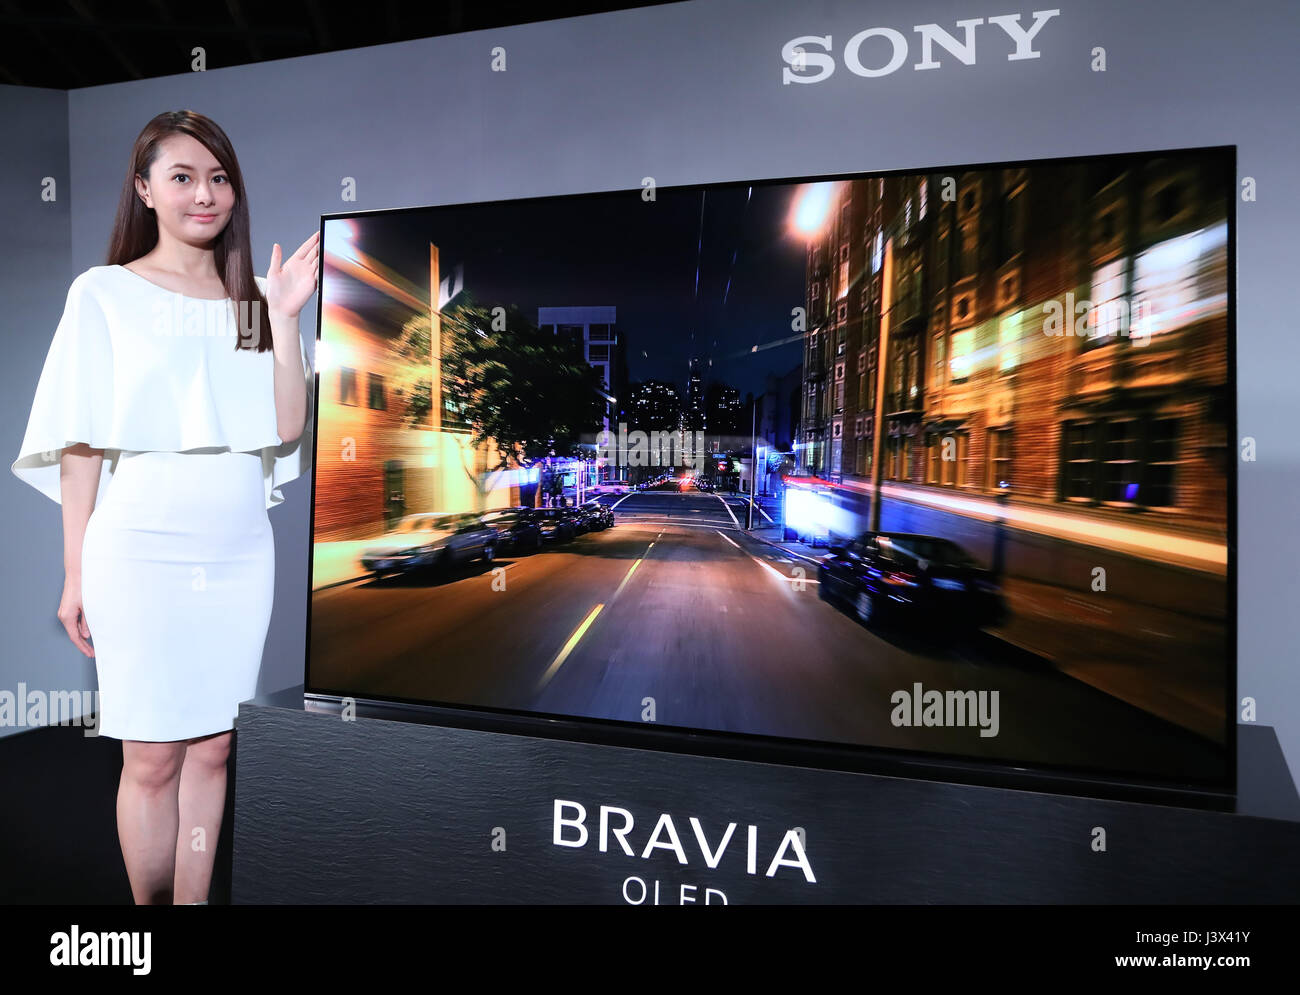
375	810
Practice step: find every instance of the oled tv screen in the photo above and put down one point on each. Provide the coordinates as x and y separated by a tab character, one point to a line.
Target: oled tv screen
935	462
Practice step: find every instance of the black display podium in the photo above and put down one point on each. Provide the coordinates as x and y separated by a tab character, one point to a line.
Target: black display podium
376	810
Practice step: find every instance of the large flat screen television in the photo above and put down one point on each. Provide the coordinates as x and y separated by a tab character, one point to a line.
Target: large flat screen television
927	471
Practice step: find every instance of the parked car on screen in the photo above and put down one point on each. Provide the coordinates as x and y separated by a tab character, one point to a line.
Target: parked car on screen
556	524
918	578
577	520
596	514
517	529
422	541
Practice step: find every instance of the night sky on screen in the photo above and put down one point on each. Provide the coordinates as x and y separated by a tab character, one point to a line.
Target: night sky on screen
641	257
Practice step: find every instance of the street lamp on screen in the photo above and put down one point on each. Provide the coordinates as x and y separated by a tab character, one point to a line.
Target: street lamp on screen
812	205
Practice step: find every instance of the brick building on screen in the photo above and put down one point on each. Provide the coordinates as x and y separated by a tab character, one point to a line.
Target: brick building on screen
1056	332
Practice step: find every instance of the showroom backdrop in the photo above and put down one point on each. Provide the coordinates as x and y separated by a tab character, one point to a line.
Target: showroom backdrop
686	93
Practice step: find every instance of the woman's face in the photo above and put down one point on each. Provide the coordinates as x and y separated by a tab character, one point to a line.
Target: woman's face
190	193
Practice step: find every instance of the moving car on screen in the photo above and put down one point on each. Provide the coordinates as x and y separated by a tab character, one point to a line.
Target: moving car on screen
517	529
422	541
924	579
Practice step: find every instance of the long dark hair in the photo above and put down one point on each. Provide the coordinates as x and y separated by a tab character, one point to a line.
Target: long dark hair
135	231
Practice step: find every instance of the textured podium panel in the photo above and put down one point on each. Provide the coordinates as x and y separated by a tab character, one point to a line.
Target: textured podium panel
377	810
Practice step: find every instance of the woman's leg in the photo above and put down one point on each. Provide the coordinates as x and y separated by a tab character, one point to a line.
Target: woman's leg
147	817
202	801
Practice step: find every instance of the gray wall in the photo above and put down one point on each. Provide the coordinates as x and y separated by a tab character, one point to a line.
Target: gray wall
35	270
693	93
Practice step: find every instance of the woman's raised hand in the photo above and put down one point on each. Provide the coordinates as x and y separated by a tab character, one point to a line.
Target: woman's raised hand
289	286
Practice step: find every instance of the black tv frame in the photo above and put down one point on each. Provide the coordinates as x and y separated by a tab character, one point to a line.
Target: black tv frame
753	747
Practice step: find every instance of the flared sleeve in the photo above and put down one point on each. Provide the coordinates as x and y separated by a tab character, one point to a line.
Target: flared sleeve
74	394
136	367
290	460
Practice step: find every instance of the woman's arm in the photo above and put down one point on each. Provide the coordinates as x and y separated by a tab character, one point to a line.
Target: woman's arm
79	473
290	378
288	288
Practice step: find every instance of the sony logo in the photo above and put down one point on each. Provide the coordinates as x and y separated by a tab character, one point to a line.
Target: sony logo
570	829
798	59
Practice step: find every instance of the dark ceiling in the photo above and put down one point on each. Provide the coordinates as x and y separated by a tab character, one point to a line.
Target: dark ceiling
73	43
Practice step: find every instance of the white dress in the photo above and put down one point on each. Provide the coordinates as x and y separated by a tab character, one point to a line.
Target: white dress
178	562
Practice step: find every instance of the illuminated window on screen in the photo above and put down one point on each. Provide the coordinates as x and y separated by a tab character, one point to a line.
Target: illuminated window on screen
1009	341
1105	319
963	349
1182	280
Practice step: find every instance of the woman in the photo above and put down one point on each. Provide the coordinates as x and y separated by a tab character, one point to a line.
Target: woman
170	409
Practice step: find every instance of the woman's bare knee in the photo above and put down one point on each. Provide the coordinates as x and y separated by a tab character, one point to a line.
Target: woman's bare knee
211	751
152	765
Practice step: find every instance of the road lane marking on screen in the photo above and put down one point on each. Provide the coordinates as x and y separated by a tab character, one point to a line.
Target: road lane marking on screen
680	523
650	547
568	647
729	511
1099	609
757	507
628	576
769	568
650	494
780	576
